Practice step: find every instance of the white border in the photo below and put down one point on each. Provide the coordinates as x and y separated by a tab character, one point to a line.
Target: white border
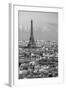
14	42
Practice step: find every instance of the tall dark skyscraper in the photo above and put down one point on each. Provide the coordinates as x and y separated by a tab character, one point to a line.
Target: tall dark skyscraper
31	43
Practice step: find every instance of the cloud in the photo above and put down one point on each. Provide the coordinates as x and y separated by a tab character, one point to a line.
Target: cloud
49	27
44	27
24	28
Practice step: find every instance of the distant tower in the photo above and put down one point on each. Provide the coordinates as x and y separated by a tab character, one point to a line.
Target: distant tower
31	43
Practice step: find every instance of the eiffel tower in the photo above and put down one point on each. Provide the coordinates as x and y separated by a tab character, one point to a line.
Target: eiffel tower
31	43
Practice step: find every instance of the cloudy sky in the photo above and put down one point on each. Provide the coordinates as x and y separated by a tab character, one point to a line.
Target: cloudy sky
45	25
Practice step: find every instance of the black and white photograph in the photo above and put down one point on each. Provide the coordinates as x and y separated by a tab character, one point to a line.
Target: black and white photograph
37	44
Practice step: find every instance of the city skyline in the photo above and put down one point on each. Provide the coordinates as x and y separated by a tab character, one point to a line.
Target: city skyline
37	60
45	25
